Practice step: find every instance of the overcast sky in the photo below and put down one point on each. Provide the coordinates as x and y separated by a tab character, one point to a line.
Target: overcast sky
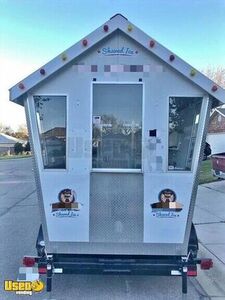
32	32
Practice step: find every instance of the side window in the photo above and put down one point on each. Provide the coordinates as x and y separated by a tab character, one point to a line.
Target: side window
51	119
184	115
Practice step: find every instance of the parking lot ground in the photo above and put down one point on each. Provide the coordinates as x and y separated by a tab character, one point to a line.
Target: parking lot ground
19	220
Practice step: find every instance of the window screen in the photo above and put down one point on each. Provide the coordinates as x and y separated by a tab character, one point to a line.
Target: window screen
117	126
184	115
51	119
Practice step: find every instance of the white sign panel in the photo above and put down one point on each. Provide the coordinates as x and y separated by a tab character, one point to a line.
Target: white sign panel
67	207
166	205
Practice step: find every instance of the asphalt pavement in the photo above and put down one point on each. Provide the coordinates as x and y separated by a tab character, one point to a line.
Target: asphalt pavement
209	220
19	223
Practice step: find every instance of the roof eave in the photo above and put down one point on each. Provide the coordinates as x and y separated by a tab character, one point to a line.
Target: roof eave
18	91
64	58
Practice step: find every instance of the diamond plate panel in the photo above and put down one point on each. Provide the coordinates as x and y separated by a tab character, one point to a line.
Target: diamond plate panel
116	208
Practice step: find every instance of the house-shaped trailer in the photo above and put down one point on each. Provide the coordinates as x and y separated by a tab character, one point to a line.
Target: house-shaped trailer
118	125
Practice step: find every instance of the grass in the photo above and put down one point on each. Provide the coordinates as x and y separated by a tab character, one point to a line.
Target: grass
4	157
206	172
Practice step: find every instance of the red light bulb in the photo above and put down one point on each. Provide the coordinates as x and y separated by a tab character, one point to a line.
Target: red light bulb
214	88
21	86
85	42
152	43
106	28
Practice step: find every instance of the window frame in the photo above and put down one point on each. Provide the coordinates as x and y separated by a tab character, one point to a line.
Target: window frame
199	134
38	132
118	170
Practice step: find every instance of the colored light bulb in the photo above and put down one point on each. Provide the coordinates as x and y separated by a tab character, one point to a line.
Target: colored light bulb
172	57
85	42
152	43
129	28
193	72
21	86
106	28
64	56
214	88
42	71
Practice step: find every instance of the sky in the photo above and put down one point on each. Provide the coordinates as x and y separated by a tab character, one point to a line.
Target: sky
32	32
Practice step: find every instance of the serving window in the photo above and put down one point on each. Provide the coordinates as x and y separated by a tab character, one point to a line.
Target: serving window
184	113
51	120
117	126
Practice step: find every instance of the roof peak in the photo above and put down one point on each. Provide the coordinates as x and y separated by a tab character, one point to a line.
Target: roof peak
221	110
118	21
120	15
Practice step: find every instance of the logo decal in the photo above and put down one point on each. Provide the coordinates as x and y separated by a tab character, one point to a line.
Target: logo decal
167	207
123	51
67	205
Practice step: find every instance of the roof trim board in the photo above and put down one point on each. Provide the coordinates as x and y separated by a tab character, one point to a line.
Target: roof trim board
118	21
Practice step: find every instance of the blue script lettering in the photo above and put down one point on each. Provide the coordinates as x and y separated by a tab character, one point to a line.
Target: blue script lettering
117	51
169	214
67	213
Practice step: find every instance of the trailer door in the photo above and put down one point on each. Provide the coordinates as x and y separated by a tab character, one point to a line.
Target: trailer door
116	189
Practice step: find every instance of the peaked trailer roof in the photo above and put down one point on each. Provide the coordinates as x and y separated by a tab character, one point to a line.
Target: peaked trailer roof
19	92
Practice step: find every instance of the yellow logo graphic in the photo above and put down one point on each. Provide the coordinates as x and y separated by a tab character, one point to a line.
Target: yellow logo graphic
23	287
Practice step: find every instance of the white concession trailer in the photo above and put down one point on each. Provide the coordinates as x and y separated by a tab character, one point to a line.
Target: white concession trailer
117	125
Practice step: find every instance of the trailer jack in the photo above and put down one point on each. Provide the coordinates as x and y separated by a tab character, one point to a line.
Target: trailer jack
49	274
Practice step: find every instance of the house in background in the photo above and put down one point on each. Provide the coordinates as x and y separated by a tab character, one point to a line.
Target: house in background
216	131
7	143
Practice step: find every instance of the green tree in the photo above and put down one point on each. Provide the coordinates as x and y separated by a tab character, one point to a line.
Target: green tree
18	148
22	132
217	74
6	129
27	147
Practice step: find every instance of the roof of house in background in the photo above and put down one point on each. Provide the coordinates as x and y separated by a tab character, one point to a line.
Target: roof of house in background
7	139
217	121
221	111
118	22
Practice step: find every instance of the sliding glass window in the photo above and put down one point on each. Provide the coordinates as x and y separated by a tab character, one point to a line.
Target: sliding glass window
184	113
51	119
